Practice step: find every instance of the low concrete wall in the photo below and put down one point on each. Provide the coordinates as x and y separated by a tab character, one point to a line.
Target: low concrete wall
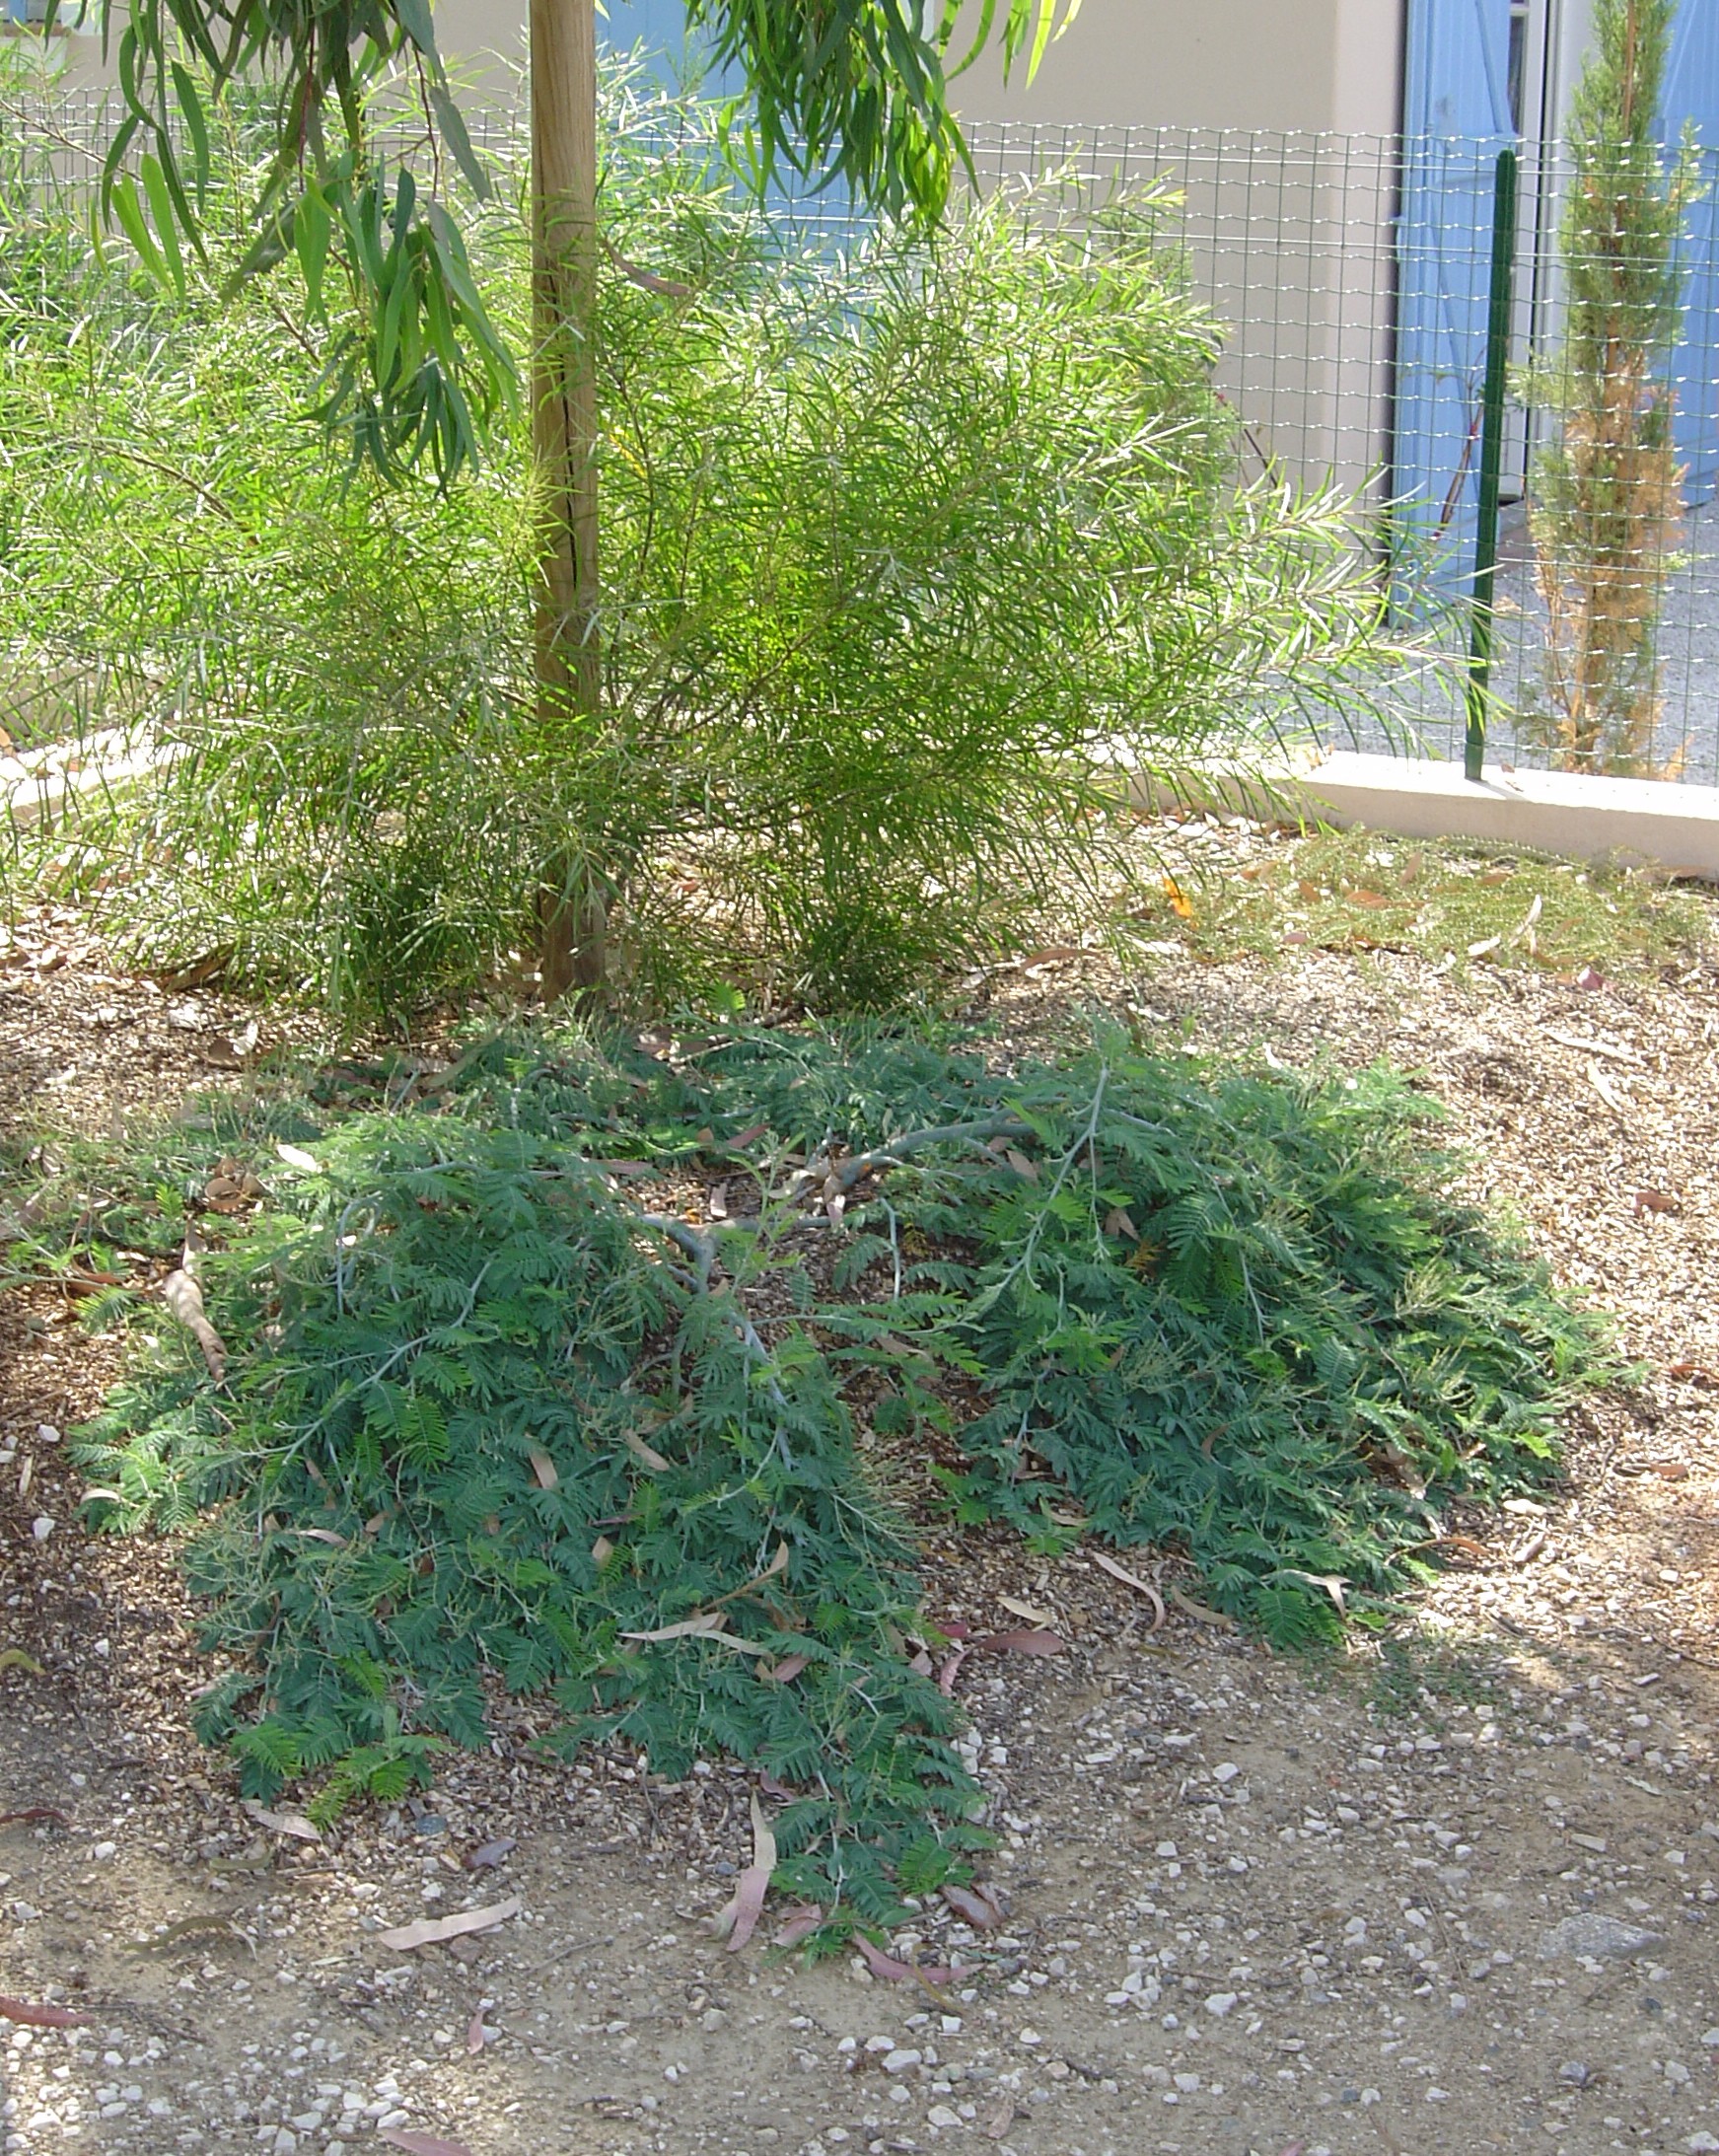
1674	827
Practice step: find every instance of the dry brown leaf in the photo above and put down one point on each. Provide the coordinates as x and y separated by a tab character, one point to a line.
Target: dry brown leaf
1118	1221
182	1296
1199	1612
491	1855
785	1671
14	1658
1464	1546
707	1626
1485	947
282	1823
738	1919
543	1469
32	1812
1590	1048
41	2017
1334	1583
976	1905
1180	904
1037	1642
897	1972
1029	1610
799	1924
1691	1373
646	1455
1607	1091
476	2035
1131	1579
600	1551
1374	898
998	2122
1652	1201
432	1930
1022	1166
421	2144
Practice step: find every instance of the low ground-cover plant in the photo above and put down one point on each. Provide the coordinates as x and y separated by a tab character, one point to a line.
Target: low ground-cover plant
502	1406
1453	903
910	547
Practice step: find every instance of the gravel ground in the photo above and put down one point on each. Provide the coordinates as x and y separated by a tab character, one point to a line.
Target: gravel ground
1455	1893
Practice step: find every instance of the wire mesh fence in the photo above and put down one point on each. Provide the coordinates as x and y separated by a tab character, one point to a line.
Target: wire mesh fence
1354	278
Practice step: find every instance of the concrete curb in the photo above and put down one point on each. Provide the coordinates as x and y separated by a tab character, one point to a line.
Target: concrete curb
1674	827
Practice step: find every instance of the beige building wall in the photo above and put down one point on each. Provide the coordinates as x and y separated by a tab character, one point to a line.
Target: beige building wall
1281	65
1272	119
1241	103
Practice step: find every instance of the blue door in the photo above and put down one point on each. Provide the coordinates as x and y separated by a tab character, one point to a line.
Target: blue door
1456	120
1693	94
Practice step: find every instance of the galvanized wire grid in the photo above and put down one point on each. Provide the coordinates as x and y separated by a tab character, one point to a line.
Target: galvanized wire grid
1350	275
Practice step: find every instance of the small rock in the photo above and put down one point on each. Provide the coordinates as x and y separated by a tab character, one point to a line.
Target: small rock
1593	1933
104	1850
899	2063
41	1527
1574	2073
1221	2003
940	2114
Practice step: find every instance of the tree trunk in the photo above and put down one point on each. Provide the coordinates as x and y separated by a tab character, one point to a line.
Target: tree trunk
572	913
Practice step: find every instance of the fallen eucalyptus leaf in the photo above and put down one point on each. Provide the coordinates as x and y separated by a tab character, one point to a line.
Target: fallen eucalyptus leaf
1020	1643
432	1930
41	2017
282	1823
182	1296
976	1905
738	1919
1131	1579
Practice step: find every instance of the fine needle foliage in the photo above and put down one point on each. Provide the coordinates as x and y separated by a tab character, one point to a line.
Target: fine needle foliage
503	1411
911	550
1609	502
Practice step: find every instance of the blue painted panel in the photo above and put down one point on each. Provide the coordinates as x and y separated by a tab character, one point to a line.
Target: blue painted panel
1456	120
1693	94
656	29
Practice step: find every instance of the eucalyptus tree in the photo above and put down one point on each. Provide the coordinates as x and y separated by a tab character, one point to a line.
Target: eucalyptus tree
855	90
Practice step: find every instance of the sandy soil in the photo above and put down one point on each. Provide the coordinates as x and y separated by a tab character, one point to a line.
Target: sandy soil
1454	1894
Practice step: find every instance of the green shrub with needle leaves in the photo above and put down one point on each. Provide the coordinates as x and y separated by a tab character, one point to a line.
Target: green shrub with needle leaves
497	1416
908	549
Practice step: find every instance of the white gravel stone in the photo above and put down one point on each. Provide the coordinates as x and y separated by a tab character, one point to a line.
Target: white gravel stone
1221	2003
1602	1936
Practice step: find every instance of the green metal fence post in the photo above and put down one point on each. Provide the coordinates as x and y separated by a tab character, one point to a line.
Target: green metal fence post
1491	457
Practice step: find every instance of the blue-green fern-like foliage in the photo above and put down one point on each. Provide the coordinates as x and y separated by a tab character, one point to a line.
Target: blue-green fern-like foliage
489	1416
